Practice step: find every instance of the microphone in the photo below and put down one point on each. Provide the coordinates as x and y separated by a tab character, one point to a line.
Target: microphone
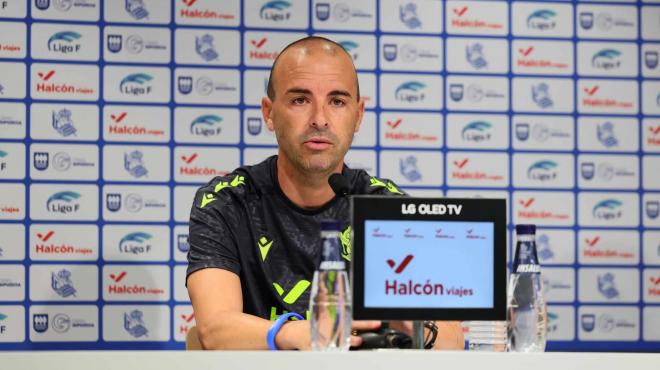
339	184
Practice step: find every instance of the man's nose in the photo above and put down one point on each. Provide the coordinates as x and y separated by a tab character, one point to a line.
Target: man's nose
319	117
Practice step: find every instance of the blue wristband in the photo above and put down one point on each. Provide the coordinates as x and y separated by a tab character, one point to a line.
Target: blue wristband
277	325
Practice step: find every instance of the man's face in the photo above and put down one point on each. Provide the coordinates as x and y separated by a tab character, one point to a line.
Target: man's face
315	112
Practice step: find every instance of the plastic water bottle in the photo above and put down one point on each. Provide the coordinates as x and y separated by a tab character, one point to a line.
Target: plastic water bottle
526	309
330	301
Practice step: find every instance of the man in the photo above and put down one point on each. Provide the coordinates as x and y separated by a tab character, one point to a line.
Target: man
254	233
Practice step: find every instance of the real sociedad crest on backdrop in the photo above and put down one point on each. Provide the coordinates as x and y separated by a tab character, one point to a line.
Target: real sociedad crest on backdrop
114	43
456	92
42	4
41	160
185	84
651	58
113	202
586	20
389	52
653	208
522	131
322	11
254	125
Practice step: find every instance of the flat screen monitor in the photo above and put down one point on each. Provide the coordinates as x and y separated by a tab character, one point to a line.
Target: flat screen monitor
428	258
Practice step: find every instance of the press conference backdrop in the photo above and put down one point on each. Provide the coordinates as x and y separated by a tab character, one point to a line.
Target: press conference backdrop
112	113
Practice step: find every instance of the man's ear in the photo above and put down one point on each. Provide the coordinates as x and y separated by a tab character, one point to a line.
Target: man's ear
360	114
267	111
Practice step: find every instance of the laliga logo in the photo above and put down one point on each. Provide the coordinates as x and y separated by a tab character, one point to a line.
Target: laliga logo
206	125
63	202
135	243
350	47
542	171
62	42
135	84
431	209
476	131
606	59
275	11
410	92
542	20
608	209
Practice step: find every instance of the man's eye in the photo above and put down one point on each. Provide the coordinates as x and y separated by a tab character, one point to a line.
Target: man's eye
338	102
299	101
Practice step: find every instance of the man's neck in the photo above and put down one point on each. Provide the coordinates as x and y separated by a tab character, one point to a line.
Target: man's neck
307	191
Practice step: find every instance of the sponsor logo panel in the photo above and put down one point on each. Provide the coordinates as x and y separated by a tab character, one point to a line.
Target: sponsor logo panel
64	82
57	242
12	323
651	320
64	162
12	245
207	47
605	247
64	42
410	91
255	82
200	164
542	19
78	10
651	247
184	320
650	164
207	125
559	284
542	132
64	122
361	159
366	136
543	171
136	203
12	283
555	247
477	55
133	123
276	14
612	134
60	323
414	130
651	204
12	161
343	15
651	279
477	169
542	95
12	201
261	48
180	291
607	323
606	22
542	57
136	44
250	156
136	11
65	202
476	18
185	195
12	80
136	84
561	323
136	163
180	244
411	53
361	48
609	209
135	323
651	97
207	12
607	97
70	283
412	167
367	83
13	9
13	41
207	86
608	172
607	59
478	93
650	59
136	243
601	285
136	283
544	208
12	120
411	16
650	24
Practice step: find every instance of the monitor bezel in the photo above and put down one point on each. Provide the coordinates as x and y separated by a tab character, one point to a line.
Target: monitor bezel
364	208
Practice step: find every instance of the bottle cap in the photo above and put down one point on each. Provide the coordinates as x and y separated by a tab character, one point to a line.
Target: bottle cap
329	225
527	229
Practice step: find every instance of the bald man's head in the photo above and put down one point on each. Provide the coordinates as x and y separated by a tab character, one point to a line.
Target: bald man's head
308	46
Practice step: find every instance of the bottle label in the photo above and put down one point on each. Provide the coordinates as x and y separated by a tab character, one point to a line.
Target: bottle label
332	265
528	269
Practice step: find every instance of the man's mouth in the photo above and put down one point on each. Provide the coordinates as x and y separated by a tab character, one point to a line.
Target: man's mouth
318	143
